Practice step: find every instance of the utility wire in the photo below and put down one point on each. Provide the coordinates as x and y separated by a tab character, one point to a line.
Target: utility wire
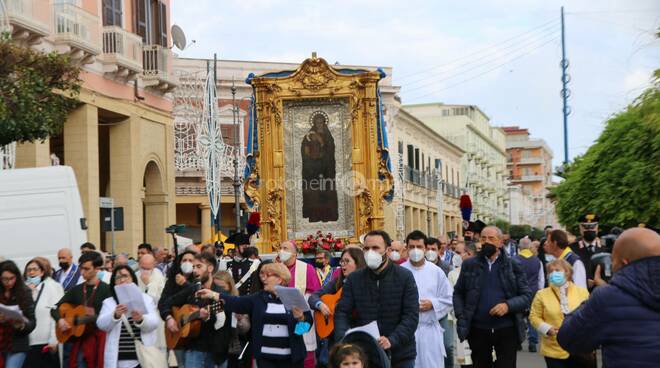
541	26
482	65
485	58
486	71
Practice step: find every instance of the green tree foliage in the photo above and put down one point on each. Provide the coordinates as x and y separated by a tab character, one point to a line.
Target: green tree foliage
502	224
519	231
619	176
37	91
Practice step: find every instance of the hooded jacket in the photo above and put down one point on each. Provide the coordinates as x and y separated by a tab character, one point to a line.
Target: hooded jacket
623	318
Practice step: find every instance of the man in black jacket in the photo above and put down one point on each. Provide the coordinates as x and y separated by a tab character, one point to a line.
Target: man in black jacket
489	297
386	293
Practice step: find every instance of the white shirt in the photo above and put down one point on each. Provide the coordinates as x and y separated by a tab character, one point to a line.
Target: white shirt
579	274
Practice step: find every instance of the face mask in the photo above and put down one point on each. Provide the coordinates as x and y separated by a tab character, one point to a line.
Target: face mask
100	274
557	278
284	255
374	259
319	264
549	257
64	265
589	235
186	267
431	255
395	256
467	238
416	254
34	280
487	250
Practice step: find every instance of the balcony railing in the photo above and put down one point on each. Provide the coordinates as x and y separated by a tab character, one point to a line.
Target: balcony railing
156	60
77	28
29	18
122	47
530	160
421	178
528	178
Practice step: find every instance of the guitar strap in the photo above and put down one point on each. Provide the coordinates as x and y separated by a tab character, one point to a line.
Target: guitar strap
41	290
253	267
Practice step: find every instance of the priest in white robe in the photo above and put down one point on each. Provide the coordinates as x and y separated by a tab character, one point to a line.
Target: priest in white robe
435	301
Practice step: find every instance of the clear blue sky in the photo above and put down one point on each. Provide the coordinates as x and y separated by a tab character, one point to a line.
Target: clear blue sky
502	56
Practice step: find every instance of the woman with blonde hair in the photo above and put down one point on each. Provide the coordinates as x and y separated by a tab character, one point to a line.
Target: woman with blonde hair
549	307
276	339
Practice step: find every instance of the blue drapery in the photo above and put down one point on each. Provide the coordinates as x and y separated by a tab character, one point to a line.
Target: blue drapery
253	132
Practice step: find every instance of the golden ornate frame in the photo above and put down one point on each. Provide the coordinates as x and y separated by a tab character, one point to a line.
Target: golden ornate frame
316	79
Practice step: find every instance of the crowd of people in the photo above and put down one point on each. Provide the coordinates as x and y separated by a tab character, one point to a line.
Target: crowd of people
471	301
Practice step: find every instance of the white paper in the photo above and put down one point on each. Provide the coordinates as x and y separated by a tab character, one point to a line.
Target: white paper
12	312
131	296
291	297
370	328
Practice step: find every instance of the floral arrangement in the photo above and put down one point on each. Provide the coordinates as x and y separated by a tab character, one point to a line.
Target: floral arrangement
318	242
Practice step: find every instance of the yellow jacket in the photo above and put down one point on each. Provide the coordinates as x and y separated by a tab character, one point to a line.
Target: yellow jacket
546	313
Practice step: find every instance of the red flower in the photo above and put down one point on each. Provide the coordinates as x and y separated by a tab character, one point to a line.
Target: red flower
339	245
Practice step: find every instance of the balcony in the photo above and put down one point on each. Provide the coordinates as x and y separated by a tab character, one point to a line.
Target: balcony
526	178
122	52
530	161
76	32
421	178
156	62
29	20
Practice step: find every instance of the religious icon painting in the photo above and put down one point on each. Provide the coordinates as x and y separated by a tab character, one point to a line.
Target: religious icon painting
317	141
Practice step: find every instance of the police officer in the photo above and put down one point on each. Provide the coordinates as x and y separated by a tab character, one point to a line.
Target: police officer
588	244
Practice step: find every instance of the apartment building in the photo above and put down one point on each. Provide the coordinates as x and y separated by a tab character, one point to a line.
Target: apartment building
120	139
529	166
483	167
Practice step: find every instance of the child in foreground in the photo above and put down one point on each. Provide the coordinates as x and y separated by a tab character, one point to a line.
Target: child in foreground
347	356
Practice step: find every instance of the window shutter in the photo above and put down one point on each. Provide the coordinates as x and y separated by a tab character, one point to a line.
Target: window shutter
162	24
112	13
141	20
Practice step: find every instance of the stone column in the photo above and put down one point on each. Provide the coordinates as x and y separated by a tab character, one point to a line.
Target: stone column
125	185
36	154
206	221
81	142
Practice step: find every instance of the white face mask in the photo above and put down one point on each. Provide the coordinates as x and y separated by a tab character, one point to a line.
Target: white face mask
187	267
431	255
416	254
457	262
373	258
395	256
284	255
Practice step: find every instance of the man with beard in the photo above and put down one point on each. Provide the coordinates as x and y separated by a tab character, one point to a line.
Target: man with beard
200	350
588	244
490	296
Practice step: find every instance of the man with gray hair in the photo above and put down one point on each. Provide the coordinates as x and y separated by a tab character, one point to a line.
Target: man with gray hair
535	278
490	296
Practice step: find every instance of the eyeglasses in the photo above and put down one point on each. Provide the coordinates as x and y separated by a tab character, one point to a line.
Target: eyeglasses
344	262
33	269
8	279
122	277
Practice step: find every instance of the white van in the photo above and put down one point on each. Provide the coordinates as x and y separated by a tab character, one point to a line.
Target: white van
40	212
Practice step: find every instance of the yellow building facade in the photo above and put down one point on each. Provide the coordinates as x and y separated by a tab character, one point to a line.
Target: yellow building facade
119	140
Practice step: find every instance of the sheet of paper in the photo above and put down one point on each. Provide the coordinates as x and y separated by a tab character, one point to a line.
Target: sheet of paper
370	328
12	312
291	297
131	296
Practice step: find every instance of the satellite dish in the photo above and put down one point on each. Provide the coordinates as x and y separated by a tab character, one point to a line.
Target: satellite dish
178	37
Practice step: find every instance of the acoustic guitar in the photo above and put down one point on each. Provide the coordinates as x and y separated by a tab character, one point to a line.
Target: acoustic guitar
80	321
325	325
189	323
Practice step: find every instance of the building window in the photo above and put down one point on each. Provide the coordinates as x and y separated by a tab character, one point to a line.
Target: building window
151	21
400	147
411	155
112	13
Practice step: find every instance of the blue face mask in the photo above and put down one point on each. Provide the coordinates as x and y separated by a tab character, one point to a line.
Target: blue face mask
34	280
557	278
100	275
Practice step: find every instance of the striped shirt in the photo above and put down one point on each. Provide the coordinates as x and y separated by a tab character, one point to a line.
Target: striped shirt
126	344
276	343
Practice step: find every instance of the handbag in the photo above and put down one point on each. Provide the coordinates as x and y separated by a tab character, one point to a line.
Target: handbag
148	356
